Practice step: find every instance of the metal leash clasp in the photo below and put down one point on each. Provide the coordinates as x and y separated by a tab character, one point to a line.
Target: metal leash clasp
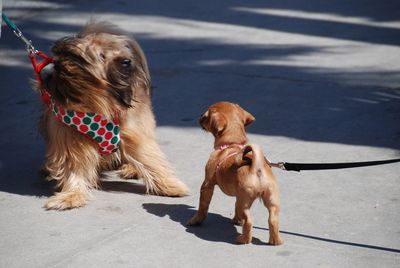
28	43
18	33
280	165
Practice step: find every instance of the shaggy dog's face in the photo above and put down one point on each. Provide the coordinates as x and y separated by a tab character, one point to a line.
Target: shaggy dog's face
97	71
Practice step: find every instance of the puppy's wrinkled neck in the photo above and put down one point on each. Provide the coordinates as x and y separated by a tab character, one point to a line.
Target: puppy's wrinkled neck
231	135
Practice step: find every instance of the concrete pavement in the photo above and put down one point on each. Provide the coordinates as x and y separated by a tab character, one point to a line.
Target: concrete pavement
323	81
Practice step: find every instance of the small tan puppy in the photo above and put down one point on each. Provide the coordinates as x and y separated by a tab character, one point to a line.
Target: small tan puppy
238	169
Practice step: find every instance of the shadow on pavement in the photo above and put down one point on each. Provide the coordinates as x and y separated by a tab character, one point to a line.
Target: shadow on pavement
335	241
122	186
215	228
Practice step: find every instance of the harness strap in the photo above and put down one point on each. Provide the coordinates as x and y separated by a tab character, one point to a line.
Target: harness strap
226	146
37	68
224	159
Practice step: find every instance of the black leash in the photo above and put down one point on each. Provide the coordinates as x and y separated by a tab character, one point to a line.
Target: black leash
322	166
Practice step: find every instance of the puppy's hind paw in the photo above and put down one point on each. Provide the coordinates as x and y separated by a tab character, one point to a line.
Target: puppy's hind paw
66	200
195	220
244	239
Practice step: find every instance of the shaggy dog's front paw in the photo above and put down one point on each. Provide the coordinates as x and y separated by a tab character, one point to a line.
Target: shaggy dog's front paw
66	200
128	172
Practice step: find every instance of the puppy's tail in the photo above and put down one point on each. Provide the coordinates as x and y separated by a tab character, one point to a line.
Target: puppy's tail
257	161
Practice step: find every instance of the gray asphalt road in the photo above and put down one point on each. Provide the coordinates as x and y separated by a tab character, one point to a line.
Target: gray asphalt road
322	78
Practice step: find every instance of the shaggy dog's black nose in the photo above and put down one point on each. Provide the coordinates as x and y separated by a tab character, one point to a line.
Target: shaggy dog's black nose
47	72
126	62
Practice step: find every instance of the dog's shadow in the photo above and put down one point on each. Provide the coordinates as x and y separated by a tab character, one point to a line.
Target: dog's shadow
122	186
215	228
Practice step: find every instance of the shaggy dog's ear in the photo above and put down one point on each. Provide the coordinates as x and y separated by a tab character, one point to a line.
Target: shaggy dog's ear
141	63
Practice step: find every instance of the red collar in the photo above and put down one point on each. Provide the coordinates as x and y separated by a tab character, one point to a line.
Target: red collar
229	145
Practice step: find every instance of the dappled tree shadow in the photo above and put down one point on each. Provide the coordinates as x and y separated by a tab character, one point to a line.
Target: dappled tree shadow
311	104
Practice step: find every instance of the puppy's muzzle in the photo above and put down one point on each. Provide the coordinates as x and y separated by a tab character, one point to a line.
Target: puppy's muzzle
201	121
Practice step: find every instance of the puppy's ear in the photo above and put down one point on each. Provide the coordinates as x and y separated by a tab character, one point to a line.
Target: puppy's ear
248	118
217	123
203	119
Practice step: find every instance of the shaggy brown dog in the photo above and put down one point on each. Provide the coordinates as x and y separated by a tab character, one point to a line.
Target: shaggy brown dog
102	71
239	170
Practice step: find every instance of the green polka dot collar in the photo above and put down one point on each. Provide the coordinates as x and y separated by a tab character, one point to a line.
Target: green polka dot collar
105	133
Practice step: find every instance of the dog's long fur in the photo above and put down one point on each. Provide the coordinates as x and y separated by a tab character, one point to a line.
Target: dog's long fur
239	170
101	70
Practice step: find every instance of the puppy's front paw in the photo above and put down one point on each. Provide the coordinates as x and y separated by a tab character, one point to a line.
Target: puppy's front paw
66	200
195	220
275	241
243	239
